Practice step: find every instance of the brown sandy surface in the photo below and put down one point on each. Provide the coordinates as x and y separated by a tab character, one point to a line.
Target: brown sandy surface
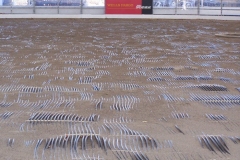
67	58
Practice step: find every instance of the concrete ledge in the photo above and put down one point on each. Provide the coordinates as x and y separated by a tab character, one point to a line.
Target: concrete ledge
103	16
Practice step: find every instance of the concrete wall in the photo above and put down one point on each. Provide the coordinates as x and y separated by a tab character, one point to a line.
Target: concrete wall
93	10
230	11
5	9
210	11
164	11
69	10
47	10
22	10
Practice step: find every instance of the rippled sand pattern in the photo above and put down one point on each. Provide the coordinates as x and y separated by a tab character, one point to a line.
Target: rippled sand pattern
119	89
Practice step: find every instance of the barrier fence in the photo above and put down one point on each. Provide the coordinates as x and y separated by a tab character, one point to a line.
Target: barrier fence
163	7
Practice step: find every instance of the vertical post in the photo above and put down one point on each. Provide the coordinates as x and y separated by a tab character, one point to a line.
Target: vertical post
11	5
58	5
34	3
176	4
221	6
198	6
81	6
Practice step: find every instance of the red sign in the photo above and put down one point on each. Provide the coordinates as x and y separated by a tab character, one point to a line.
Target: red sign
123	7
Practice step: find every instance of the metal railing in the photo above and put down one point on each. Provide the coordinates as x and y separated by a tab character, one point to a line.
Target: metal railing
211	7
